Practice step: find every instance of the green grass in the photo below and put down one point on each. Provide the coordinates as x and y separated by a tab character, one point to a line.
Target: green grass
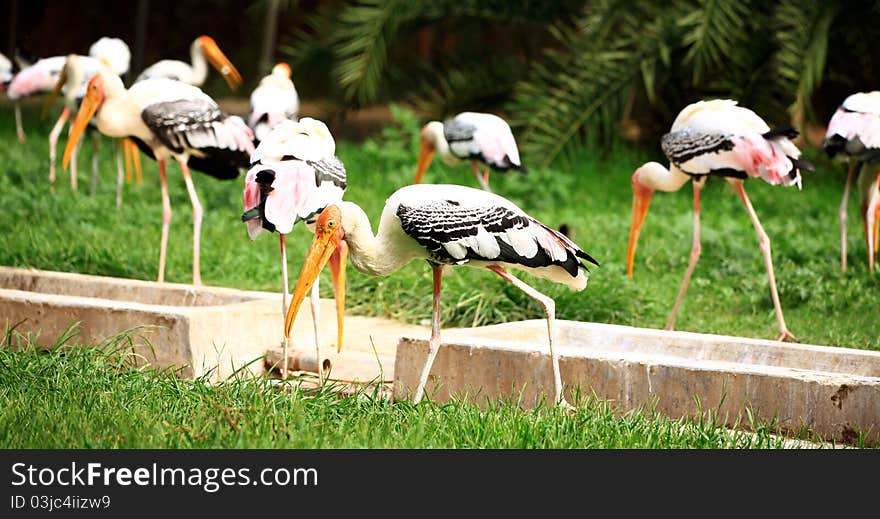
82	397
86	397
51	227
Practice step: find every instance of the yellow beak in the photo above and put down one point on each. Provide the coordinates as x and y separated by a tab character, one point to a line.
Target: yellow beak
50	99
641	202
326	247
90	104
426	153
220	62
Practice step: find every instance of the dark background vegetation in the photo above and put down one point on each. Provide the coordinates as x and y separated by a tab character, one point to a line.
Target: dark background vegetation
563	72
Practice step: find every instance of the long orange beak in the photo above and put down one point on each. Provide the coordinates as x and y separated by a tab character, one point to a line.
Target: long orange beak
90	104
50	99
426	153
328	240
220	62
337	272
641	202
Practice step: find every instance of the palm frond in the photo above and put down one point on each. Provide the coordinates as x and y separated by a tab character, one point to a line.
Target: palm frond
714	30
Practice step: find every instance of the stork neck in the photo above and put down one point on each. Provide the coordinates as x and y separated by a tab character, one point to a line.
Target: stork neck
199	63
663	179
372	254
434	134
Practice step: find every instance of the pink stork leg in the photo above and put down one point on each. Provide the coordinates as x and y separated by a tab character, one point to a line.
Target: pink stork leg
93	187
434	343
764	243
19	130
53	141
285	342
483	181
166	219
550	312
695	255
197	220
120	176
842	213
872	212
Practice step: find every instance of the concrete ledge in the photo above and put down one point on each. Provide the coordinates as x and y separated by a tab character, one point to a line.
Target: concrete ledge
834	392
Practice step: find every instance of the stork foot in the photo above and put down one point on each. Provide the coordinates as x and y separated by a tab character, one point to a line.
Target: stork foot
787	336
565	406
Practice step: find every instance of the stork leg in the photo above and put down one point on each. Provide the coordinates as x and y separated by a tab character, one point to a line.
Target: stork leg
871	221
486	176
19	130
483	181
197	220
126	150
93	188
842	213
117	143
549	307
166	219
695	255
284	295
53	141
315	303
764	243
434	343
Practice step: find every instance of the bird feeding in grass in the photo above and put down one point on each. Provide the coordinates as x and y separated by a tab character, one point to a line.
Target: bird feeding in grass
273	101
294	175
203	50
854	134
470	136
447	225
717	138
166	119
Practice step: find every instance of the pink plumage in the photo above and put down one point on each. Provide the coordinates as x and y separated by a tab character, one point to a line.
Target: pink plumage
760	157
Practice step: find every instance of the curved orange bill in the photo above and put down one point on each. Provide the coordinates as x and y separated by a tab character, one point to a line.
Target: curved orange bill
641	202
325	244
426	153
50	99
90	104
220	62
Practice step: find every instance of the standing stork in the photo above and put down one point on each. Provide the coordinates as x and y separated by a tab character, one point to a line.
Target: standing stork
470	136
294	175
203	50
854	134
717	138
273	101
447	225
167	118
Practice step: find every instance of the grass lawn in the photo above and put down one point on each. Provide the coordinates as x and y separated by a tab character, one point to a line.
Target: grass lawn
85	398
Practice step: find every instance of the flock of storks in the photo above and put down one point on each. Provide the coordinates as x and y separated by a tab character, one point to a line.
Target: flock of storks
294	175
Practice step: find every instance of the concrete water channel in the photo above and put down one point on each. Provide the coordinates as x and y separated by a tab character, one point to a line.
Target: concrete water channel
214	332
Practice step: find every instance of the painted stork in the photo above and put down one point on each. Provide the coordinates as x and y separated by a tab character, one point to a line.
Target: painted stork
202	51
717	138
5	72
447	225
854	134
273	101
294	175
470	136
167	118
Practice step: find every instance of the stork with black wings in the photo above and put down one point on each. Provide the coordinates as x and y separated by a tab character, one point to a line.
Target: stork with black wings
718	138
446	225
294	175
166	119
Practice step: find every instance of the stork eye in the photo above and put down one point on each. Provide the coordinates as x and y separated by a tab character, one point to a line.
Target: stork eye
331	223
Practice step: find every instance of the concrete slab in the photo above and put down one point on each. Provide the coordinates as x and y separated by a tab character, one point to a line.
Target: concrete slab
834	392
204	331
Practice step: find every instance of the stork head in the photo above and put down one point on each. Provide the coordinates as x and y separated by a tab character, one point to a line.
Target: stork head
642	194
429	138
282	69
96	93
220	62
328	246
